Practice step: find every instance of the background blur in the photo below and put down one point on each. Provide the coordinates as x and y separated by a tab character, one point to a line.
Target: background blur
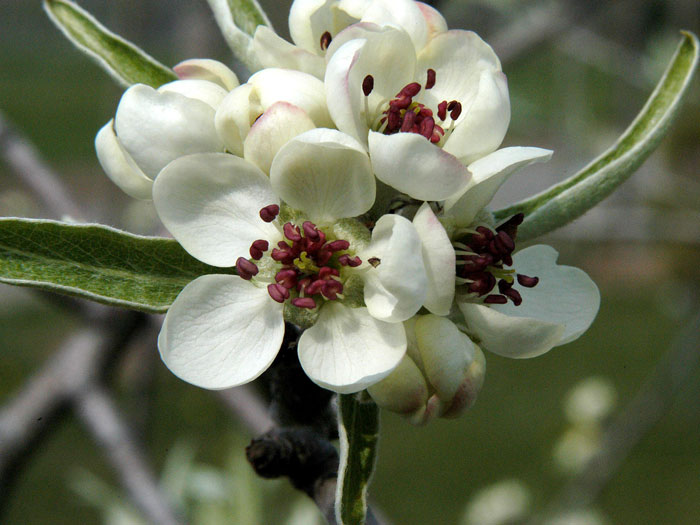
578	72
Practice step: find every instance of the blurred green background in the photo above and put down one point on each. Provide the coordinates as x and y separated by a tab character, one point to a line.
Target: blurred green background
578	73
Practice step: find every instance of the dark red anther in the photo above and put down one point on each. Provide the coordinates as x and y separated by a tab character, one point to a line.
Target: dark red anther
426	127
352	262
393	121
326	40
246	269
504	242
483	283
408	120
514	296
314	287
511	225
331	288
495	299
456	110
527	282
327	271
442	110
310	230
270	213
282	255
438	133
411	90
291	232
336	246
304	302
431	79
286	278
368	85
323	256
399	103
258	248
278	292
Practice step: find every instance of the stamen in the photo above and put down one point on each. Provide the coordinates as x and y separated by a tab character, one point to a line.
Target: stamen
339	245
325	40
310	230
374	261
442	110
495	299
456	111
527	282
411	90
304	302
352	262
431	79
291	232
367	85
270	213
408	120
278	292
258	247
246	269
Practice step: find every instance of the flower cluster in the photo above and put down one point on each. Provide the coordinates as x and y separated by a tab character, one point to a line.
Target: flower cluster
345	184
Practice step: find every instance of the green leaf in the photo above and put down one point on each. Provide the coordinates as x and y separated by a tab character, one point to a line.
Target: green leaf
564	202
96	262
238	20
359	438
124	61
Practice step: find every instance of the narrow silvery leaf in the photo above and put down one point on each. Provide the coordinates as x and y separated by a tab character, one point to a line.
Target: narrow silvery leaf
238	20
571	198
359	438
96	262
125	62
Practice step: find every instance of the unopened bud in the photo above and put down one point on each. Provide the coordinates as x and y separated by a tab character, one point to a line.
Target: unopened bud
440	376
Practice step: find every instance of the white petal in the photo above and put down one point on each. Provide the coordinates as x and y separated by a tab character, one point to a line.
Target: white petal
386	54
396	288
404	390
509	336
446	354
211	202
308	20
564	295
208	92
484	121
156	128
402	13
348	350
301	89
435	21
326	174
273	51
280	123
488	173
439	259
458	58
207	69
412	165
119	166
221	332
234	116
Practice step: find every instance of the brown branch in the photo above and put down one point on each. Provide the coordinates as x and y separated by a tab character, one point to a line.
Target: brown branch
101	417
26	162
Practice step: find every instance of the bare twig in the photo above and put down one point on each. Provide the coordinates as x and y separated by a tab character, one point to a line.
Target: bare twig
632	424
25	160
100	415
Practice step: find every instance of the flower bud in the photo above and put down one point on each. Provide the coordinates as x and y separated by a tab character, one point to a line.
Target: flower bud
440	376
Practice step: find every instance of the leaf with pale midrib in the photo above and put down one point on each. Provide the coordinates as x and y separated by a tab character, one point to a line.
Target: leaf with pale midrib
97	262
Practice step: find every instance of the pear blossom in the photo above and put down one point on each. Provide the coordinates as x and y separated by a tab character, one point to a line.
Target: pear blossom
155	126
314	24
425	114
515	304
298	255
